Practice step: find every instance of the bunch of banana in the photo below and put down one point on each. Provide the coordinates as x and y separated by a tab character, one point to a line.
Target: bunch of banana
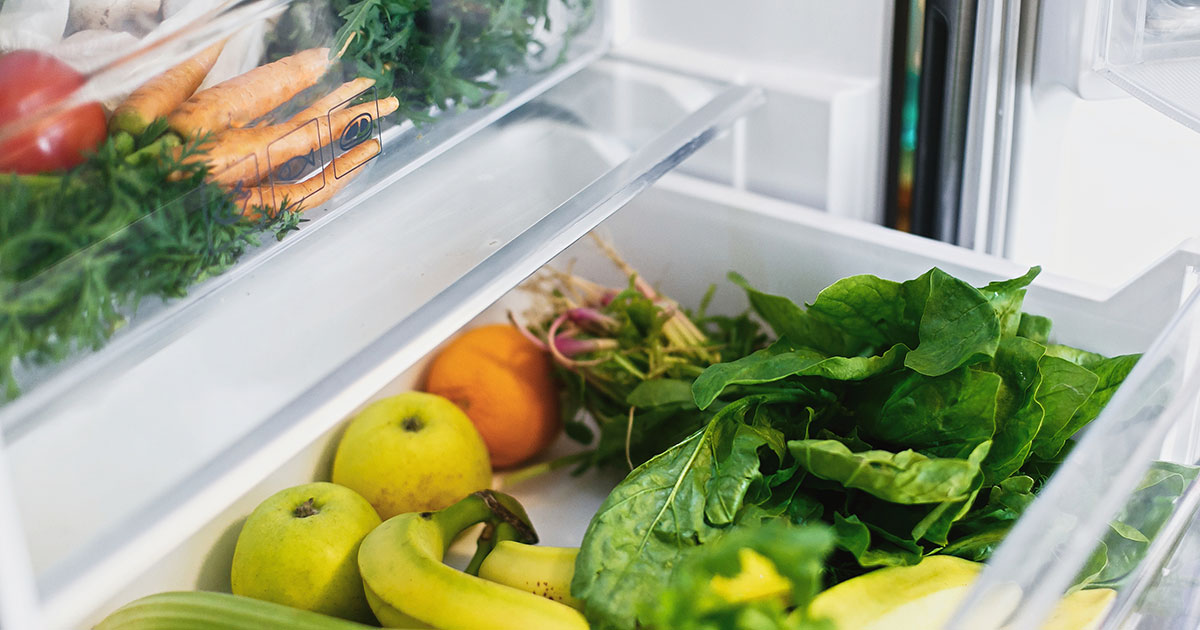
408	585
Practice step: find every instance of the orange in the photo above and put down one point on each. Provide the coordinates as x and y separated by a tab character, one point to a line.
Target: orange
504	383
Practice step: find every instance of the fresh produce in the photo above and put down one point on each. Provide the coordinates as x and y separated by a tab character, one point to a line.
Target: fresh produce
926	595
544	571
40	131
627	357
240	100
502	381
161	95
242	155
912	418
200	610
80	251
760	577
410	453
313	191
435	54
300	548
401	565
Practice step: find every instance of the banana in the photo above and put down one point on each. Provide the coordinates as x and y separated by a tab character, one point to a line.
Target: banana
401	566
545	571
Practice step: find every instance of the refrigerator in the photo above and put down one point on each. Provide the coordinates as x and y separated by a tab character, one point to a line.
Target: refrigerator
787	140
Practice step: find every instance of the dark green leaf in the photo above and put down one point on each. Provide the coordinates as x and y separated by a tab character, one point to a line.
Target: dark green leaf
661	392
907	478
958	325
652	520
947	415
1035	328
785	359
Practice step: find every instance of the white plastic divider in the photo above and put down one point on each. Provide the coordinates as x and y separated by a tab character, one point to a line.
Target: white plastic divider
19	607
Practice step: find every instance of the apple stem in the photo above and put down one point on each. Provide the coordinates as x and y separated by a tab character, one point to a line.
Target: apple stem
306	509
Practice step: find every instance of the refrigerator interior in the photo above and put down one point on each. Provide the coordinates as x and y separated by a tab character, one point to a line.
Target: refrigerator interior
1101	180
656	233
216	401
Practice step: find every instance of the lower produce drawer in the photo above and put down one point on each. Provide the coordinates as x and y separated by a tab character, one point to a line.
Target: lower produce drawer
684	235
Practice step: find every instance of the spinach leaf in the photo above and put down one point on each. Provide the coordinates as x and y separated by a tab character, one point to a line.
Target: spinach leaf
1018	414
784	359
1035	328
1063	389
1006	298
958	325
661	392
1139	521
789	320
945	416
657	515
880	550
906	478
692	601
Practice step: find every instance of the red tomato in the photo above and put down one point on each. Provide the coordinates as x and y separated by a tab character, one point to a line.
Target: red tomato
31	81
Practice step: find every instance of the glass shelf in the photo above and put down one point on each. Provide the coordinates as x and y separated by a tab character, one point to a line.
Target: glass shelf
148	435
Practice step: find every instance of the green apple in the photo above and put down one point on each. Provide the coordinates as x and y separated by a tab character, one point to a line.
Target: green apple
300	548
414	452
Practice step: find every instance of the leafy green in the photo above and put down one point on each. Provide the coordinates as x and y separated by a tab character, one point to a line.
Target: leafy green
797	552
659	513
916	418
1139	521
80	251
445	53
906	478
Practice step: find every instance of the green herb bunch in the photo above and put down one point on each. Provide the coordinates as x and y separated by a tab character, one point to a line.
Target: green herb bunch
443	53
626	359
80	251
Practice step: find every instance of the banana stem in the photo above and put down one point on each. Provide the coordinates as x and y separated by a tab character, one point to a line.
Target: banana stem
488	540
501	514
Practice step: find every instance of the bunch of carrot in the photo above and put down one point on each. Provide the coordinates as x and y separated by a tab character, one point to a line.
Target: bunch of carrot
241	155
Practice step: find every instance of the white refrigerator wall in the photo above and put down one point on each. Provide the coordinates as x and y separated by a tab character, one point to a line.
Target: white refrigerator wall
818	140
1103	184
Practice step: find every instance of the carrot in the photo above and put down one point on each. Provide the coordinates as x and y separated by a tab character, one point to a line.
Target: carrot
313	191
229	162
162	94
240	100
233	145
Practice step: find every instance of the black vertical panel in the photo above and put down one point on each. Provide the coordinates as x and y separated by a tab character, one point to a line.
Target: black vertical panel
949	46
895	122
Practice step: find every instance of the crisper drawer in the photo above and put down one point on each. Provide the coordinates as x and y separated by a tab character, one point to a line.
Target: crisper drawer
685	235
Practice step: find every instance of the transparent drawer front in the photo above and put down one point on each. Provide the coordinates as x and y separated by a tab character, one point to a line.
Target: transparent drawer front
148	148
1151	48
1121	511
